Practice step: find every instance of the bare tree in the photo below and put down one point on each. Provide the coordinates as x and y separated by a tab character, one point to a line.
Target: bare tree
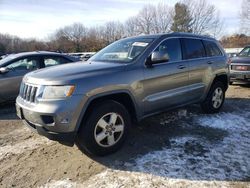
197	16
145	20
94	40
131	27
245	17
112	31
150	20
235	41
205	17
13	44
163	18
74	33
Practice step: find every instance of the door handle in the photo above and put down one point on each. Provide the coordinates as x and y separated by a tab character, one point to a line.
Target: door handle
181	66
210	62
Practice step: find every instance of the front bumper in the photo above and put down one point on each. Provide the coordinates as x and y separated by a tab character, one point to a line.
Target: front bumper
56	120
241	76
67	139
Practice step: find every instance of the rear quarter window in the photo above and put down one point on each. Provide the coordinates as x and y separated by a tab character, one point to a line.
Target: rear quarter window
54	60
212	49
193	48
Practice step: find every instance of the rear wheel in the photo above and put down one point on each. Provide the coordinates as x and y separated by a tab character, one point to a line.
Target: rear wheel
105	129
215	98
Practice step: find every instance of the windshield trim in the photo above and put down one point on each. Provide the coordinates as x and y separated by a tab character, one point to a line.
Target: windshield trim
129	61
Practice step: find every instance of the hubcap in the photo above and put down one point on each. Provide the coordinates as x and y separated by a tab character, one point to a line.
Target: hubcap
109	129
217	97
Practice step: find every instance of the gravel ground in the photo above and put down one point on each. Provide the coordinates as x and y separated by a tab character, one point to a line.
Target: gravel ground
182	148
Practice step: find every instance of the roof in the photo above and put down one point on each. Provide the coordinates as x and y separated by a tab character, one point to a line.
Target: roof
36	53
174	34
24	54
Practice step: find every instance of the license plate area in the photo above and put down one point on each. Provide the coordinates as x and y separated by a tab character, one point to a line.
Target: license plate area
241	68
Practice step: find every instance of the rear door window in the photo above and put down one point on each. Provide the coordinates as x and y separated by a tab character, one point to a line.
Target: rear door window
193	48
212	49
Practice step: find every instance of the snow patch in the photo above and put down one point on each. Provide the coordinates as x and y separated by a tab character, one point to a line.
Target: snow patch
227	121
116	178
197	158
191	161
60	184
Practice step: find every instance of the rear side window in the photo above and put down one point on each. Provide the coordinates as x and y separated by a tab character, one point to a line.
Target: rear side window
172	48
51	61
193	48
212	49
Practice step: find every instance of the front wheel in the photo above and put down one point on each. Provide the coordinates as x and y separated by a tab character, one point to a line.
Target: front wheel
105	129
215	98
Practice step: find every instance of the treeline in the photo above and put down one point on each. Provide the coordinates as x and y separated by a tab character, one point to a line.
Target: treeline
196	16
235	41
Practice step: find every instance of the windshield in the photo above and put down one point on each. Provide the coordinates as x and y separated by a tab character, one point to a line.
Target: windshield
7	58
245	52
123	51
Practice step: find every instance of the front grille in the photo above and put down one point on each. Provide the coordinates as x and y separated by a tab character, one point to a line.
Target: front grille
234	67
28	92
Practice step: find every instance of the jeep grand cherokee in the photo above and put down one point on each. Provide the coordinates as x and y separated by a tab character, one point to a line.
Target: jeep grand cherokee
93	104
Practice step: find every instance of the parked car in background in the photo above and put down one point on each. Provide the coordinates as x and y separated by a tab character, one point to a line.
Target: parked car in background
87	55
15	66
230	55
84	56
92	104
240	67
3	56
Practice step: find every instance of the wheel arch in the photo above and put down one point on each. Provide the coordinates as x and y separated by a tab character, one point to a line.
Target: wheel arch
224	78
122	97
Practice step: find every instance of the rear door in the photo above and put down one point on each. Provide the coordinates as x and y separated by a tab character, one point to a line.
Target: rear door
164	83
199	67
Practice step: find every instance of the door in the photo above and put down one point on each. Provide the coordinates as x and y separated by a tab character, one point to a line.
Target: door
11	80
199	71
165	82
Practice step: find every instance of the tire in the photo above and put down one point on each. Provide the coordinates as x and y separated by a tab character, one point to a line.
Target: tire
97	135
215	98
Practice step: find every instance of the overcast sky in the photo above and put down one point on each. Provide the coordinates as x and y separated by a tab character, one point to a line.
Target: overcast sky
40	18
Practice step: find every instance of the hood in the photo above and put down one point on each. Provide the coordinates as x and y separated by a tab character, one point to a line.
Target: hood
72	71
244	60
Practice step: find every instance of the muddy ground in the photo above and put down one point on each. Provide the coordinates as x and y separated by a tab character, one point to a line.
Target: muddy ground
179	148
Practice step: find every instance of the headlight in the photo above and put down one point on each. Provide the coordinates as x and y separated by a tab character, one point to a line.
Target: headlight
57	92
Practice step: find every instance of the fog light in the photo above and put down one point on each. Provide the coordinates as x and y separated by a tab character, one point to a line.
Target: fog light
47	119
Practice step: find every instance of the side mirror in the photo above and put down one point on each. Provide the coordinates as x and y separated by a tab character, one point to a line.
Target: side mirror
4	70
159	57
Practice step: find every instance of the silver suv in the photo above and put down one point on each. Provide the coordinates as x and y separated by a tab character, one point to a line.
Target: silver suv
93	104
